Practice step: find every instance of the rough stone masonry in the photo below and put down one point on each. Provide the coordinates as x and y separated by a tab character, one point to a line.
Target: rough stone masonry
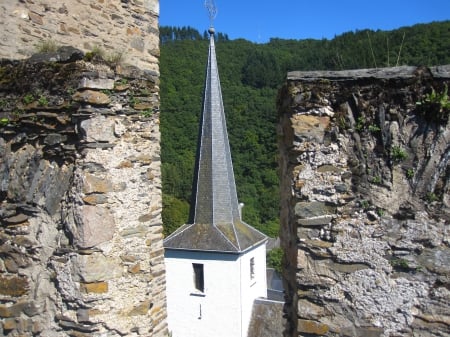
365	202
80	181
126	28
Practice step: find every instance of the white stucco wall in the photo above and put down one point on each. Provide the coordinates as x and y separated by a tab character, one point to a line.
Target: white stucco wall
252	288
224	309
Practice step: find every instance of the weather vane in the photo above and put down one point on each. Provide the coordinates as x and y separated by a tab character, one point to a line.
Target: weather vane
212	11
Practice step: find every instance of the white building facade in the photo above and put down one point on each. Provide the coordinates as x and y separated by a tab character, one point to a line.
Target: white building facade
231	284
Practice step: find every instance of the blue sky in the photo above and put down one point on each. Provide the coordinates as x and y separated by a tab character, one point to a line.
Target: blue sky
258	21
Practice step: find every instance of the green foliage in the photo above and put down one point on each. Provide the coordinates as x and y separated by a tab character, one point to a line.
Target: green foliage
435	105
373	128
133	100
376	180
176	213
400	264
261	70
431	197
275	259
410	173
4	121
380	211
42	100
364	204
398	154
146	113
28	98
360	123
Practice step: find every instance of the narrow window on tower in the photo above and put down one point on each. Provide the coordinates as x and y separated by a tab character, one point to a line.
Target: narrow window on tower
252	268
199	280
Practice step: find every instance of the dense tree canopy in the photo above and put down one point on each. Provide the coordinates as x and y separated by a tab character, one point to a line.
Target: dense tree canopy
250	76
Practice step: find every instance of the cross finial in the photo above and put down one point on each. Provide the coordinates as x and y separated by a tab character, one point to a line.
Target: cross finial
212	12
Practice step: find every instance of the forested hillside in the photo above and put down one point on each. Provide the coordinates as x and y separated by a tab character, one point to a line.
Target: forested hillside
250	75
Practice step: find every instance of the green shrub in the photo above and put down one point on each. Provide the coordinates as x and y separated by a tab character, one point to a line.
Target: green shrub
42	101
146	113
410	173
431	197
435	106
275	259
374	128
398	154
376	180
28	98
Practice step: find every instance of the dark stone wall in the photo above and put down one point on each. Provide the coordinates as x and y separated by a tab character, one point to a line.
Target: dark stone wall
365	202
80	199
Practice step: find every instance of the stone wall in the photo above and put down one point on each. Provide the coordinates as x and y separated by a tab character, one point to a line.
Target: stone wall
365	202
80	199
126	29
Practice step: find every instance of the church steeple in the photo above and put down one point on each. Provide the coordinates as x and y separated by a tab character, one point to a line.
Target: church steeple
216	223
215	191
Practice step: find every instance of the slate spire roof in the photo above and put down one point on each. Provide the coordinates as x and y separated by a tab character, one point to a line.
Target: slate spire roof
216	221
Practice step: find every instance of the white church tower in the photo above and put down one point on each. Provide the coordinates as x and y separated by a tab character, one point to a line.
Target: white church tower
216	264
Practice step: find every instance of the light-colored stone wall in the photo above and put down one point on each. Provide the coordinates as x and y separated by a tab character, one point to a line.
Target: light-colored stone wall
118	27
81	232
365	208
80	181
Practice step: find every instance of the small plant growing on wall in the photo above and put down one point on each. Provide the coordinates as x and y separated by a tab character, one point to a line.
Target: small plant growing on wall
42	101
410	173
28	98
47	46
146	113
398	154
435	106
4	121
431	197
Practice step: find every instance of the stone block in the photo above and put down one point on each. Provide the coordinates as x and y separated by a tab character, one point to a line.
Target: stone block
98	129
96	83
91	97
312	327
54	139
312	209
134	269
96	268
309	310
93	184
94	288
16	219
95	199
83	315
141	309
35	18
310	128
9	324
13	286
315	221
12	310
95	225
